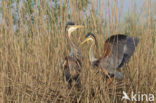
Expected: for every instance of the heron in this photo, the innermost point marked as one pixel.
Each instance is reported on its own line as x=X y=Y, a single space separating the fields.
x=117 y=51
x=72 y=62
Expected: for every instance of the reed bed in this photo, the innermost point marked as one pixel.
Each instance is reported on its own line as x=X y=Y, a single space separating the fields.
x=33 y=46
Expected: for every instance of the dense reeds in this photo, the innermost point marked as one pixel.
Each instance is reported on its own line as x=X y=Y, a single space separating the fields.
x=33 y=46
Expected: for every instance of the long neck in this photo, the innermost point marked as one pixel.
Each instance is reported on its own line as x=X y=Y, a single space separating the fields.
x=74 y=49
x=91 y=53
x=72 y=45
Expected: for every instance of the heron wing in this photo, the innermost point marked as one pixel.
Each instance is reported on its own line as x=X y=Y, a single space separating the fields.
x=118 y=50
x=113 y=51
x=72 y=69
x=129 y=48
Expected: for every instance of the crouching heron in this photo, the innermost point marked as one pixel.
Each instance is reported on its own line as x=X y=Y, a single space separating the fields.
x=72 y=62
x=117 y=51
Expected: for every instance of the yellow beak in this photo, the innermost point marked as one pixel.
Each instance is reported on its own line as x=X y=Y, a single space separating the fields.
x=85 y=41
x=78 y=26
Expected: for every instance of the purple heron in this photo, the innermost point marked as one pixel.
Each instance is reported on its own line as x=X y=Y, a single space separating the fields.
x=72 y=62
x=117 y=51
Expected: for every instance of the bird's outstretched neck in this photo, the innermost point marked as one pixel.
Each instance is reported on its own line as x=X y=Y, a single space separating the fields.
x=72 y=45
x=74 y=50
x=92 y=58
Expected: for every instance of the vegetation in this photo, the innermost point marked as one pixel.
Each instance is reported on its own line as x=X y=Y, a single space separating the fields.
x=33 y=46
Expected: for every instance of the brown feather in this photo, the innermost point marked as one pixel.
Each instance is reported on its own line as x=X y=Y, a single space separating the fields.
x=71 y=70
x=107 y=51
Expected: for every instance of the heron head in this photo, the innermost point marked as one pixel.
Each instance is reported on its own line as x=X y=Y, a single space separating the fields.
x=90 y=37
x=70 y=27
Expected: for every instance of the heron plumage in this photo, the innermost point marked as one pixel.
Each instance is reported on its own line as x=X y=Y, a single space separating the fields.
x=117 y=51
x=72 y=62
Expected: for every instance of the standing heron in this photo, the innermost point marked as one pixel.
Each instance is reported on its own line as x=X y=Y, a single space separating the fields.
x=72 y=63
x=117 y=51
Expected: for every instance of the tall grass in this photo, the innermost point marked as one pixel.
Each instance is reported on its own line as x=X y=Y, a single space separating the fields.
x=33 y=45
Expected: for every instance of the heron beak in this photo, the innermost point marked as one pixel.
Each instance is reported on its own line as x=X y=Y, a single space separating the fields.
x=74 y=27
x=85 y=41
x=78 y=26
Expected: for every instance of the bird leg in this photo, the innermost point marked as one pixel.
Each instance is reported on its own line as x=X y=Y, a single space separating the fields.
x=110 y=79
